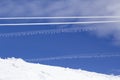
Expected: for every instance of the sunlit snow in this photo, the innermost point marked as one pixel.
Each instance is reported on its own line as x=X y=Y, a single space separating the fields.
x=18 y=69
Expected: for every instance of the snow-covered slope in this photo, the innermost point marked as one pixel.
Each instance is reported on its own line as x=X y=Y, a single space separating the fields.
x=17 y=69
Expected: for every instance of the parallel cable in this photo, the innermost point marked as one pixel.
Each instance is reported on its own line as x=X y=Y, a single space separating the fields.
x=60 y=23
x=62 y=17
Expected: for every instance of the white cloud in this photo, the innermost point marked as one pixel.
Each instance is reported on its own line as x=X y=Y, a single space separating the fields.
x=57 y=8
x=67 y=8
x=17 y=69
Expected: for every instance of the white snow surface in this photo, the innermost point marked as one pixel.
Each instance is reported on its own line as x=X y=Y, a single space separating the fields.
x=18 y=69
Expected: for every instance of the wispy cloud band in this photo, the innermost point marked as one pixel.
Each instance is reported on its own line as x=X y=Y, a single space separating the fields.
x=12 y=8
x=73 y=57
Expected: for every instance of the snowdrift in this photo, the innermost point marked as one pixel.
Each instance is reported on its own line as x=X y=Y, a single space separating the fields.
x=18 y=69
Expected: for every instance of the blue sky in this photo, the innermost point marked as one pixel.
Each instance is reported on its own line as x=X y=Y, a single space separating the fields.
x=104 y=40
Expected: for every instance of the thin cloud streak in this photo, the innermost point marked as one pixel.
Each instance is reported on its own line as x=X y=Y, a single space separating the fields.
x=52 y=31
x=72 y=57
